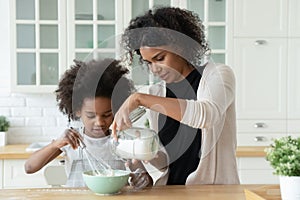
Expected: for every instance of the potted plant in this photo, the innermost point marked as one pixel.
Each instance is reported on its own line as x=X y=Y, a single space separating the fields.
x=4 y=125
x=284 y=157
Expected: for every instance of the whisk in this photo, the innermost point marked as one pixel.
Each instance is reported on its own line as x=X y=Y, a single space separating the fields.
x=136 y=114
x=98 y=165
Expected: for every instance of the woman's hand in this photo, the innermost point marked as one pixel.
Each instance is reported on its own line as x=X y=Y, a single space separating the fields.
x=160 y=161
x=140 y=179
x=121 y=118
x=70 y=136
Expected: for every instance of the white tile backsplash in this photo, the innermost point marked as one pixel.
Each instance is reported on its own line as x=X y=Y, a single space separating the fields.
x=33 y=117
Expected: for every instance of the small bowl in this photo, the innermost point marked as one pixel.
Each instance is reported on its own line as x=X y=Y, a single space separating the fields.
x=106 y=185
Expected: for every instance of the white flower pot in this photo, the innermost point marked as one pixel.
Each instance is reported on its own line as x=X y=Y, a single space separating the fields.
x=3 y=138
x=290 y=187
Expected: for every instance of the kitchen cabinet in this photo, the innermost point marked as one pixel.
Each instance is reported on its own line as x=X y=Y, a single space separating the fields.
x=93 y=27
x=261 y=76
x=259 y=132
x=260 y=67
x=266 y=59
x=294 y=18
x=37 y=44
x=48 y=34
x=256 y=170
x=260 y=18
x=293 y=106
x=14 y=175
x=217 y=18
x=1 y=174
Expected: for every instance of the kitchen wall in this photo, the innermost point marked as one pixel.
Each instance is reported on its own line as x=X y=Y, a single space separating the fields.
x=33 y=117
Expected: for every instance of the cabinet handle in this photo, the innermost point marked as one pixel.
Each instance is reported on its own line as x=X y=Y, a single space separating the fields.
x=260 y=139
x=260 y=42
x=259 y=125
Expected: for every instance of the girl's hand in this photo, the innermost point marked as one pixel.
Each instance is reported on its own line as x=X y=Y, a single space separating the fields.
x=70 y=136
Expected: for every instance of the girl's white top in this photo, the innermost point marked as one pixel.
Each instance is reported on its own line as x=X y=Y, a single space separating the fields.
x=76 y=163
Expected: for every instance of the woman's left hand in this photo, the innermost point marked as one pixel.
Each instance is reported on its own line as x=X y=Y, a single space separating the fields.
x=140 y=179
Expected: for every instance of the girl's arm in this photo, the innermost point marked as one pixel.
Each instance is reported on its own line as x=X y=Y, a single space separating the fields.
x=43 y=156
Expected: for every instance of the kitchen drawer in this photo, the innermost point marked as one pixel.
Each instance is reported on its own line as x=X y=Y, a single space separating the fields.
x=14 y=175
x=294 y=135
x=293 y=126
x=256 y=139
x=256 y=170
x=261 y=126
x=254 y=163
x=258 y=177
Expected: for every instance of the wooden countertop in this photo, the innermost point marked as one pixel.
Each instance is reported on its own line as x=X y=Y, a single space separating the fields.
x=199 y=192
x=14 y=151
x=251 y=151
x=18 y=151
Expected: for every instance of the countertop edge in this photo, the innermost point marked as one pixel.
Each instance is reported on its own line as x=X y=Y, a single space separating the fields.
x=18 y=151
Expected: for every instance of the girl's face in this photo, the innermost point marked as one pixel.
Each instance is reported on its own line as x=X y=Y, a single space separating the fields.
x=169 y=66
x=96 y=115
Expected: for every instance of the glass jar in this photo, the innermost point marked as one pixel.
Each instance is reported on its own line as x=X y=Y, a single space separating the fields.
x=136 y=143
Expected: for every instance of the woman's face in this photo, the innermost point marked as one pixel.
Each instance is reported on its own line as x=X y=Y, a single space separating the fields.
x=96 y=115
x=169 y=66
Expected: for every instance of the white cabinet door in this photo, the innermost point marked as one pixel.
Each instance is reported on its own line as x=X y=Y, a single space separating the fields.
x=14 y=175
x=1 y=174
x=38 y=44
x=260 y=68
x=256 y=170
x=293 y=79
x=261 y=18
x=94 y=28
x=294 y=18
x=293 y=106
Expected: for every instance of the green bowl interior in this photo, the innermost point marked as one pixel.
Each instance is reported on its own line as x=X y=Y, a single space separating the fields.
x=106 y=184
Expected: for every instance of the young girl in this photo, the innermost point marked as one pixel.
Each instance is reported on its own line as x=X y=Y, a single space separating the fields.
x=89 y=93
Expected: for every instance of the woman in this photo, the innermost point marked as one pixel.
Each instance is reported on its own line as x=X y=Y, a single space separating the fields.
x=193 y=107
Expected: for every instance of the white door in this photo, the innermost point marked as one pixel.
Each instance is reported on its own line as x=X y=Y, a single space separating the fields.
x=260 y=67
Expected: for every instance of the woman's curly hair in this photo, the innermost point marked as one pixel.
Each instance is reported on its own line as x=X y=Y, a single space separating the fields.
x=167 y=26
x=96 y=78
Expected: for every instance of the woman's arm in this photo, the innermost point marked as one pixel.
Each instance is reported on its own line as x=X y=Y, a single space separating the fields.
x=215 y=95
x=171 y=107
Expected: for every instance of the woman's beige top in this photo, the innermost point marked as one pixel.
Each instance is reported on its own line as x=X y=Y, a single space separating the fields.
x=214 y=113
